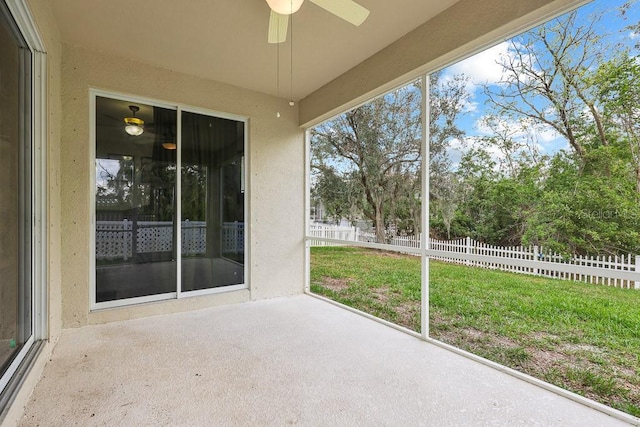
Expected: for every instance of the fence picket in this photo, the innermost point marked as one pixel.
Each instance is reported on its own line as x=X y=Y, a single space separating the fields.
x=470 y=246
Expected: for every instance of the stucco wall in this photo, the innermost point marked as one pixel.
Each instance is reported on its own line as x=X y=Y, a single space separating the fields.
x=51 y=38
x=276 y=168
x=467 y=26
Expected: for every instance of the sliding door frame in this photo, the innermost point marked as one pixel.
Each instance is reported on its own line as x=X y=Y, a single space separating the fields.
x=37 y=244
x=179 y=109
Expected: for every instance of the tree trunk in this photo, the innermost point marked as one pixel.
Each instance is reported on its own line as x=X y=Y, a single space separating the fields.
x=379 y=224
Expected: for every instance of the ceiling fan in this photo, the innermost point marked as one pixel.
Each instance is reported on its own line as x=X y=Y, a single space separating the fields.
x=348 y=10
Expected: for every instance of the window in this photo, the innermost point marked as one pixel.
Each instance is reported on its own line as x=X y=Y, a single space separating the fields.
x=169 y=202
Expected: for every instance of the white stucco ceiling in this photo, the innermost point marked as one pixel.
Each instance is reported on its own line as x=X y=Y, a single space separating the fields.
x=226 y=40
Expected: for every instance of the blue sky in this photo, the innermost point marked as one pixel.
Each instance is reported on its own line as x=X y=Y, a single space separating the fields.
x=483 y=68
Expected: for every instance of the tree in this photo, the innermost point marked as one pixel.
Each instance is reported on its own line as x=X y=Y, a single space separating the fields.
x=447 y=100
x=564 y=76
x=375 y=149
x=446 y=200
x=374 y=145
x=514 y=143
x=115 y=180
x=618 y=83
x=338 y=194
x=495 y=205
x=194 y=192
x=545 y=79
x=587 y=211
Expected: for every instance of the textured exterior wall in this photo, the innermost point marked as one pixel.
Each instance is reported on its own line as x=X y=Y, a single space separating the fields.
x=276 y=180
x=52 y=40
x=467 y=26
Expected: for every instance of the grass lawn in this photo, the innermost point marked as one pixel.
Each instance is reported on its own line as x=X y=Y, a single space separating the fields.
x=585 y=338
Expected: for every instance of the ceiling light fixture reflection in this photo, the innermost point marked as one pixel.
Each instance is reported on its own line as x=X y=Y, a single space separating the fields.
x=133 y=125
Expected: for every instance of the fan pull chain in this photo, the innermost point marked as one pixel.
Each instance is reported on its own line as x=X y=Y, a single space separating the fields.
x=291 y=103
x=278 y=73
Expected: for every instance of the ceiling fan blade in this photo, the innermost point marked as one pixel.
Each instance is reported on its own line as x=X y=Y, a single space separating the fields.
x=348 y=10
x=278 y=25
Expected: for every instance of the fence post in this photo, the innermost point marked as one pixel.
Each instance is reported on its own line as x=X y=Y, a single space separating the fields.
x=536 y=251
x=468 y=248
x=636 y=285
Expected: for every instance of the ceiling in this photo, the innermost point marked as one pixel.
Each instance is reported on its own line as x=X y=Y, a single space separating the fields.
x=226 y=40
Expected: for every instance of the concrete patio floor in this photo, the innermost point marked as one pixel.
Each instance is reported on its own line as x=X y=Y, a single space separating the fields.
x=295 y=360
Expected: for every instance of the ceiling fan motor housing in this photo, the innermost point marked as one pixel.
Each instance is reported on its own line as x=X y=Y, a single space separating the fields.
x=285 y=7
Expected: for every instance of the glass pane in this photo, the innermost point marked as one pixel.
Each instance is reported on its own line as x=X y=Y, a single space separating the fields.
x=15 y=193
x=135 y=201
x=212 y=202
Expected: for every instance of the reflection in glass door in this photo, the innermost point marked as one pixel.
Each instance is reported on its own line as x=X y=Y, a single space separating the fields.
x=135 y=200
x=232 y=207
x=212 y=202
x=137 y=197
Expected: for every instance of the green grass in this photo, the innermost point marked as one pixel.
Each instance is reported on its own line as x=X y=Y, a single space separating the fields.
x=585 y=338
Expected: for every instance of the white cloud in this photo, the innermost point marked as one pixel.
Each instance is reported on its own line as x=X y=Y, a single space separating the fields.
x=519 y=130
x=456 y=144
x=483 y=67
x=548 y=135
x=530 y=137
x=469 y=106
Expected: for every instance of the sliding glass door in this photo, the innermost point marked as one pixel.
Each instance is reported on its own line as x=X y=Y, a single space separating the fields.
x=16 y=326
x=212 y=202
x=139 y=196
x=135 y=201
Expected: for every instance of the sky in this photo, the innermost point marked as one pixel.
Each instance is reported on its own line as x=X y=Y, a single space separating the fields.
x=483 y=68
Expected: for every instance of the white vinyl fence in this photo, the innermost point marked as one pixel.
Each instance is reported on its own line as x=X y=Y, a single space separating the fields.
x=573 y=268
x=354 y=234
x=628 y=263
